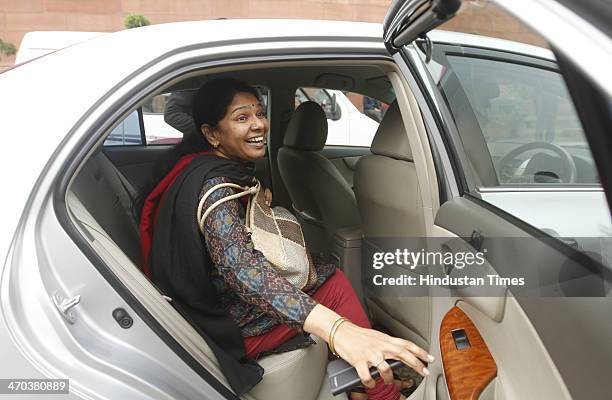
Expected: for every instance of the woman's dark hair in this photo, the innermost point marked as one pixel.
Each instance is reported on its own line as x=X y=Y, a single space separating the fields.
x=210 y=105
x=214 y=97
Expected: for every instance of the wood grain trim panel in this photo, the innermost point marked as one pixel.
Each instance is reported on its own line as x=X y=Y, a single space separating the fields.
x=467 y=371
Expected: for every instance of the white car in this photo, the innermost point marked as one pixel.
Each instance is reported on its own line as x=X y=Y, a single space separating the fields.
x=516 y=166
x=347 y=126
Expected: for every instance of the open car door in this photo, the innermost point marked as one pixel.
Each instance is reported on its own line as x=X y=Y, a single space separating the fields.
x=510 y=173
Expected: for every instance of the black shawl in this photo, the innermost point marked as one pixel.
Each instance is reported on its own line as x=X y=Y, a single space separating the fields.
x=181 y=266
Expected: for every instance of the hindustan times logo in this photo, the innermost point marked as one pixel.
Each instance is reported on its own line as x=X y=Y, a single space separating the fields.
x=413 y=259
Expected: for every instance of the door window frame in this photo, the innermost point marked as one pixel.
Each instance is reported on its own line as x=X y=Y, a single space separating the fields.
x=95 y=125
x=520 y=59
x=465 y=177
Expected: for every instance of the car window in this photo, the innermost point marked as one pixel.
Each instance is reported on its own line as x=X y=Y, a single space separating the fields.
x=352 y=118
x=528 y=121
x=127 y=133
x=166 y=118
x=517 y=136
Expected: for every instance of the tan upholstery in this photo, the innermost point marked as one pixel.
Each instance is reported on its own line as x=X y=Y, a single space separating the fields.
x=109 y=197
x=297 y=374
x=386 y=185
x=321 y=197
x=389 y=200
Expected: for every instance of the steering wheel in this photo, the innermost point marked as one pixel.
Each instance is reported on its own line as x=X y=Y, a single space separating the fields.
x=568 y=166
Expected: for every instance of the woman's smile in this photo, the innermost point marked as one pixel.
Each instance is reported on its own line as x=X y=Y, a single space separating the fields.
x=256 y=141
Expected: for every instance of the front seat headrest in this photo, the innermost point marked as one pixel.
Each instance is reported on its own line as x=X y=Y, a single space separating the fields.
x=307 y=129
x=391 y=139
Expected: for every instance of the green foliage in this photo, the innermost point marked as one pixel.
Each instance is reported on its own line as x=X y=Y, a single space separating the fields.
x=135 y=21
x=6 y=48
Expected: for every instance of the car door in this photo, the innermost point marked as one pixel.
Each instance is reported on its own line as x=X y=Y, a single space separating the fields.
x=511 y=341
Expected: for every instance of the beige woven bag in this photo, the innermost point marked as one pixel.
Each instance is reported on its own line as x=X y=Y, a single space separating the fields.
x=274 y=231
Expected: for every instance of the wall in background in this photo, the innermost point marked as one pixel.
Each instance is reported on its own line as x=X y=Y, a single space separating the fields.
x=20 y=16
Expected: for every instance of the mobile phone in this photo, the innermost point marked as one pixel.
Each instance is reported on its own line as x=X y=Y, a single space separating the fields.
x=343 y=376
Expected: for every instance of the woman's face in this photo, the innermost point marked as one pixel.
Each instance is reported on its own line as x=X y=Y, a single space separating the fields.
x=241 y=134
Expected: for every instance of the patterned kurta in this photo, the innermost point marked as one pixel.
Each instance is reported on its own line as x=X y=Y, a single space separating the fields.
x=255 y=295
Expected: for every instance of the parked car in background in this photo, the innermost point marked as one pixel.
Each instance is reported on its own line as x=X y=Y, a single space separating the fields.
x=38 y=43
x=346 y=125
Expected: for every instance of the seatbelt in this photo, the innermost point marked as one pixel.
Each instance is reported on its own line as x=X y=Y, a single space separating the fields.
x=128 y=195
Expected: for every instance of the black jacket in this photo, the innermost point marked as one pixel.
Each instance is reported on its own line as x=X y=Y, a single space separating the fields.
x=181 y=266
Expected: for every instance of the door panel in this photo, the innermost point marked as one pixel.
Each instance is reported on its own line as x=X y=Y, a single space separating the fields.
x=530 y=336
x=525 y=369
x=463 y=349
x=552 y=344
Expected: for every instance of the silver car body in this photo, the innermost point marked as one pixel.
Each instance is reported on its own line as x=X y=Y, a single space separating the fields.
x=54 y=103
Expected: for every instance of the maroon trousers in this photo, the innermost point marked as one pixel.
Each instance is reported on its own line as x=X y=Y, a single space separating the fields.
x=336 y=294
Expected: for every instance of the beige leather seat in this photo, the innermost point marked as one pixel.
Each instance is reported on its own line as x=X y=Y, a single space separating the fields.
x=298 y=374
x=322 y=199
x=390 y=205
x=386 y=185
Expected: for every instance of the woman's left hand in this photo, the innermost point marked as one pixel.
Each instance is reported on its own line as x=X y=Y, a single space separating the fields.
x=268 y=196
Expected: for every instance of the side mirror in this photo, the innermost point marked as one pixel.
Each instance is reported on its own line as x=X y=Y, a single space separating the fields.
x=334 y=112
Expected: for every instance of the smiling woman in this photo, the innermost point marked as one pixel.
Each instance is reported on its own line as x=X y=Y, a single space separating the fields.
x=243 y=303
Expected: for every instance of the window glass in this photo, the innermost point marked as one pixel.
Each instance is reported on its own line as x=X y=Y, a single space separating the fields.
x=519 y=140
x=166 y=118
x=126 y=133
x=528 y=121
x=352 y=119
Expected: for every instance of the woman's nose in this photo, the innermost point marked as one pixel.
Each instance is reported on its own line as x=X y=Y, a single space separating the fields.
x=258 y=124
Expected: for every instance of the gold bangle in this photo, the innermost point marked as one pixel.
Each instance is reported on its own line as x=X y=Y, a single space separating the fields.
x=332 y=334
x=329 y=337
x=331 y=330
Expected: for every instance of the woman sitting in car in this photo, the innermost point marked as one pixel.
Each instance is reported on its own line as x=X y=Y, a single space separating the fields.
x=225 y=287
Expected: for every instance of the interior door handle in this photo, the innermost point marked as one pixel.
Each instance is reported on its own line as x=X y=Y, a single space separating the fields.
x=476 y=240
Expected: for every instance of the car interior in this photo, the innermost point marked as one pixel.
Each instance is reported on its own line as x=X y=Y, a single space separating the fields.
x=340 y=194
x=330 y=201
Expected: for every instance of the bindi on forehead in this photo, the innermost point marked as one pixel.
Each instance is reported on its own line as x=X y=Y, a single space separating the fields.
x=246 y=106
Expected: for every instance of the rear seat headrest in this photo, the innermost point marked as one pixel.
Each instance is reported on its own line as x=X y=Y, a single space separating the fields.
x=307 y=129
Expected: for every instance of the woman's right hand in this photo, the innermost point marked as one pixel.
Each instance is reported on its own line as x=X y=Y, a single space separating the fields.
x=364 y=348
